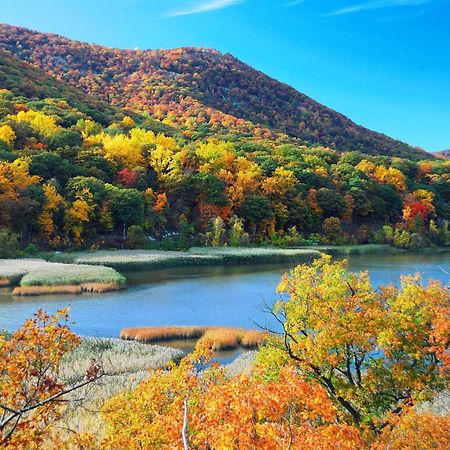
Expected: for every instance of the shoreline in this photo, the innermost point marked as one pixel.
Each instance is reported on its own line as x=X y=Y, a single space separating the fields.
x=101 y=271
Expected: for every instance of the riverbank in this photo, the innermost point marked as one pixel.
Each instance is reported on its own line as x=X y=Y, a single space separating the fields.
x=39 y=277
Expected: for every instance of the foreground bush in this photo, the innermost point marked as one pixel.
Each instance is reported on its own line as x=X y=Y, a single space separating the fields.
x=238 y=413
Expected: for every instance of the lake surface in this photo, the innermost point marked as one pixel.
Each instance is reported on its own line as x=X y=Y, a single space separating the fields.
x=231 y=295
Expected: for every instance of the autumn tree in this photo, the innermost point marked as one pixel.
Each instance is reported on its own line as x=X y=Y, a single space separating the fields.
x=31 y=385
x=180 y=408
x=53 y=203
x=375 y=352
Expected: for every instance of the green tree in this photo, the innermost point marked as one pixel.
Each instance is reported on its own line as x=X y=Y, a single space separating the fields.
x=9 y=243
x=127 y=206
x=65 y=138
x=331 y=202
x=255 y=208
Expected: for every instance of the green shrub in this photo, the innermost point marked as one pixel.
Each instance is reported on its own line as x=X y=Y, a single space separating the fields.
x=31 y=250
x=9 y=243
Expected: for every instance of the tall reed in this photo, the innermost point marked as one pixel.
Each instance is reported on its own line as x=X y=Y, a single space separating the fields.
x=218 y=338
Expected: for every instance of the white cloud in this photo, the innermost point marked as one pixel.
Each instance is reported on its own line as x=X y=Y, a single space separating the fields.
x=377 y=4
x=203 y=7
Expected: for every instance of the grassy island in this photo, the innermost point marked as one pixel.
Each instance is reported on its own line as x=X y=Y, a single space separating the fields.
x=38 y=277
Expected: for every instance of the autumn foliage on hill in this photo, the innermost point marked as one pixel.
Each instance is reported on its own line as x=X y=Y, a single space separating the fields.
x=201 y=90
x=67 y=180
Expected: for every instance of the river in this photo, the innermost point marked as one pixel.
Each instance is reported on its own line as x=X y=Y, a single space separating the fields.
x=234 y=296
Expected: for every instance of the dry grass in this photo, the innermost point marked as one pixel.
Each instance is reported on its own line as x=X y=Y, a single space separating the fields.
x=253 y=339
x=218 y=338
x=222 y=338
x=47 y=290
x=66 y=289
x=160 y=334
x=125 y=364
x=101 y=287
x=6 y=281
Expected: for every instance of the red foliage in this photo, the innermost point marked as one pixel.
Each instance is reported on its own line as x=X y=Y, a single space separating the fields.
x=126 y=177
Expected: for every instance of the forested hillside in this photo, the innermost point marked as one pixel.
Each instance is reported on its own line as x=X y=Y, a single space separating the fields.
x=68 y=181
x=201 y=90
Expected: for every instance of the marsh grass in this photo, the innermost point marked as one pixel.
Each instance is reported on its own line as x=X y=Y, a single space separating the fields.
x=125 y=365
x=37 y=277
x=218 y=338
x=256 y=255
x=71 y=274
x=129 y=260
x=242 y=364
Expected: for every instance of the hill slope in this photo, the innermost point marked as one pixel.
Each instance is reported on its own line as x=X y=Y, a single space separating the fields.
x=198 y=89
x=25 y=80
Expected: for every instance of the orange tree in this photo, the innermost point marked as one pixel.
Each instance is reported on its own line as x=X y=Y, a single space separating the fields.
x=182 y=408
x=375 y=352
x=31 y=388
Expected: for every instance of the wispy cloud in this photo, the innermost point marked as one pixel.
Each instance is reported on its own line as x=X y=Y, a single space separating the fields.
x=295 y=2
x=203 y=7
x=377 y=4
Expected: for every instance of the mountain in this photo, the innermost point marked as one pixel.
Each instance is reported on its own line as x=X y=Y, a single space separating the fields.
x=200 y=90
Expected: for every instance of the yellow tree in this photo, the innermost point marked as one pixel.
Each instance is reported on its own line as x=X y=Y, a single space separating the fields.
x=53 y=200
x=245 y=180
x=165 y=162
x=78 y=215
x=7 y=134
x=280 y=183
x=391 y=176
x=14 y=178
x=123 y=150
x=45 y=125
x=373 y=351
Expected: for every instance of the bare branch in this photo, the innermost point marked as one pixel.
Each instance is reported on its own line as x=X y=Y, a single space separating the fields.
x=185 y=422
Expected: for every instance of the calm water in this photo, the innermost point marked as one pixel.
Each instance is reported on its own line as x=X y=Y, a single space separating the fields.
x=235 y=296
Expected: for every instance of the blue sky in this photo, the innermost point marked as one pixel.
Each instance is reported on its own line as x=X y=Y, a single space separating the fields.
x=383 y=63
